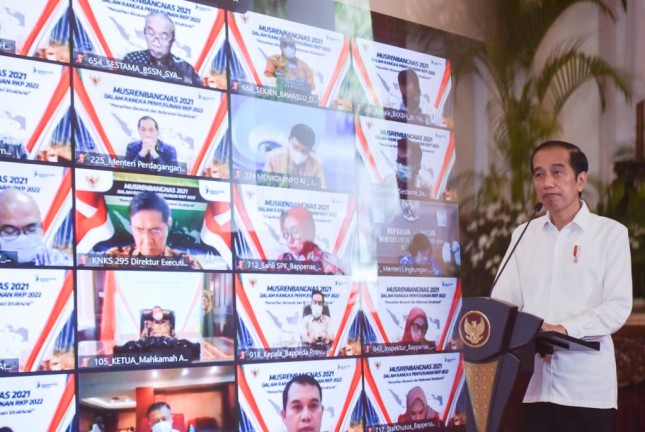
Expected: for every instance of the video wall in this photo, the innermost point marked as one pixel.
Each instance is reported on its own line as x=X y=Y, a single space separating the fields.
x=217 y=220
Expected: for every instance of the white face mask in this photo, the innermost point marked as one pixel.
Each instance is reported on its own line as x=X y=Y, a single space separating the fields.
x=297 y=157
x=162 y=426
x=403 y=172
x=157 y=316
x=289 y=52
x=316 y=310
x=24 y=248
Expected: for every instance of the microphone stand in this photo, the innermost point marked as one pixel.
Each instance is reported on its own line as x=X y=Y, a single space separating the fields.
x=536 y=209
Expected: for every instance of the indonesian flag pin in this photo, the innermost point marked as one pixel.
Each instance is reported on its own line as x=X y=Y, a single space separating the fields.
x=576 y=253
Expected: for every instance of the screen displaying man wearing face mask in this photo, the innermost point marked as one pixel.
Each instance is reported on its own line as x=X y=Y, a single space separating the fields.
x=413 y=183
x=289 y=72
x=298 y=157
x=316 y=326
x=160 y=417
x=21 y=233
x=409 y=173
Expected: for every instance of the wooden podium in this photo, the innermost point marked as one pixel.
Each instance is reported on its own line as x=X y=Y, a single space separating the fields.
x=500 y=344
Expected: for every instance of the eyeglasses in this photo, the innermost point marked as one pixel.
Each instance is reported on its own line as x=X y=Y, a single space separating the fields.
x=150 y=34
x=318 y=302
x=288 y=44
x=11 y=232
x=416 y=327
x=294 y=233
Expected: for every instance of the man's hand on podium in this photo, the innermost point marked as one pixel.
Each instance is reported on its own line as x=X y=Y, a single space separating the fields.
x=554 y=327
x=544 y=351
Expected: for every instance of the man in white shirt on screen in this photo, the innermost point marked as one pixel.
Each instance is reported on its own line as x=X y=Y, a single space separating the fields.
x=573 y=269
x=317 y=326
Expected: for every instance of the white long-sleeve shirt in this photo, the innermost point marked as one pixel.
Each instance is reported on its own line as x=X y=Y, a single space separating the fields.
x=579 y=277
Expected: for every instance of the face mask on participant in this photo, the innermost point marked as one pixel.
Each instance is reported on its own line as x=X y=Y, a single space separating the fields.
x=403 y=172
x=316 y=310
x=297 y=157
x=157 y=316
x=162 y=426
x=23 y=248
x=289 y=52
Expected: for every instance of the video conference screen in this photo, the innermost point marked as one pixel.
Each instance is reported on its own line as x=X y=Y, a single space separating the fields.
x=286 y=61
x=212 y=215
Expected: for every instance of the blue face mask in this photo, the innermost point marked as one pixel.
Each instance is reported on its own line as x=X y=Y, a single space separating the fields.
x=403 y=172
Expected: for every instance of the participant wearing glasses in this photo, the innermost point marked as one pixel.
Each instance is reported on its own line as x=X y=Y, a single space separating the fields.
x=316 y=326
x=159 y=33
x=150 y=221
x=289 y=71
x=21 y=233
x=416 y=327
x=299 y=231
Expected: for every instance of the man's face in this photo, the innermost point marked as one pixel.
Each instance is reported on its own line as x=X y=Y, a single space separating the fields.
x=288 y=47
x=159 y=415
x=406 y=168
x=21 y=215
x=159 y=36
x=292 y=233
x=317 y=300
x=21 y=231
x=148 y=131
x=317 y=303
x=555 y=181
x=157 y=314
x=417 y=411
x=298 y=151
x=418 y=329
x=304 y=409
x=411 y=96
x=150 y=232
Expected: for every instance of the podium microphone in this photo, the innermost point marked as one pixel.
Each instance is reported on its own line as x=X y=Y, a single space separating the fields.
x=536 y=210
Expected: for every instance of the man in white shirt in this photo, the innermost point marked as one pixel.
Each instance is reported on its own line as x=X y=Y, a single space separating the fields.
x=317 y=326
x=573 y=269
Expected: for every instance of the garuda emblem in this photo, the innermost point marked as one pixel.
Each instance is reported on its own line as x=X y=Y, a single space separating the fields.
x=474 y=329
